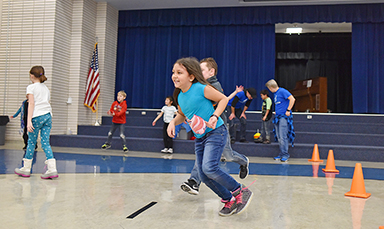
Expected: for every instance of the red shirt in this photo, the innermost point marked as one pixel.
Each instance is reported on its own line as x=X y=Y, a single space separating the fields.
x=119 y=109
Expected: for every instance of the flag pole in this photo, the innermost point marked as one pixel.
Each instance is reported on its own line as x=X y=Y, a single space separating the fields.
x=97 y=116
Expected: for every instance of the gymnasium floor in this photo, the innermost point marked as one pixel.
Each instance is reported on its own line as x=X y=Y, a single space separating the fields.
x=107 y=189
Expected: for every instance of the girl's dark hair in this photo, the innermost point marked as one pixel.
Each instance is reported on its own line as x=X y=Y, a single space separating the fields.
x=38 y=72
x=192 y=66
x=170 y=98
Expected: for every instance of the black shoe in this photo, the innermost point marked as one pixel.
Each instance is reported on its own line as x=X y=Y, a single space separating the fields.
x=106 y=146
x=243 y=140
x=244 y=170
x=190 y=186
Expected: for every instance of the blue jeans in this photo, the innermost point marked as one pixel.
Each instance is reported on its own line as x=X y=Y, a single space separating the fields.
x=208 y=150
x=229 y=154
x=42 y=123
x=281 y=129
x=243 y=124
x=265 y=129
x=112 y=130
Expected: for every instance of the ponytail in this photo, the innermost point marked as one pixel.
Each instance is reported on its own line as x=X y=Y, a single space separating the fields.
x=38 y=72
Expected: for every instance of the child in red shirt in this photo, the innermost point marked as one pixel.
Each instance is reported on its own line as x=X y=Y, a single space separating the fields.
x=117 y=111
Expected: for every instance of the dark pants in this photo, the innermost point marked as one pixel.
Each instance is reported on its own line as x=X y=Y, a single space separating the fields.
x=112 y=130
x=168 y=141
x=243 y=124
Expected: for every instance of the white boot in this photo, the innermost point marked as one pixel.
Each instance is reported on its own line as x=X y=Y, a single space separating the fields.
x=51 y=172
x=25 y=171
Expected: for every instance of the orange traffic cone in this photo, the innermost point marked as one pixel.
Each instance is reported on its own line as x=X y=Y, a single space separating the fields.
x=315 y=155
x=381 y=227
x=330 y=167
x=358 y=187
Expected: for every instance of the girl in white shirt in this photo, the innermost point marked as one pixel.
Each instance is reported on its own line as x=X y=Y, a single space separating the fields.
x=39 y=120
x=169 y=112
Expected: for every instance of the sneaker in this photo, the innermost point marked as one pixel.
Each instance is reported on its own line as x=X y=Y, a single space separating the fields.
x=125 y=148
x=165 y=150
x=277 y=158
x=233 y=141
x=190 y=186
x=229 y=208
x=243 y=197
x=106 y=146
x=266 y=141
x=170 y=150
x=244 y=170
x=284 y=159
x=259 y=140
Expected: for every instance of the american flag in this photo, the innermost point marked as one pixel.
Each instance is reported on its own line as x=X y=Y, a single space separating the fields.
x=93 y=84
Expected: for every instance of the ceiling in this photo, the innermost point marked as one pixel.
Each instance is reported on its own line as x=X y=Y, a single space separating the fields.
x=169 y=4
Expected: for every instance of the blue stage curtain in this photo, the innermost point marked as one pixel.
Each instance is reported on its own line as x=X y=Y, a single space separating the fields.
x=245 y=55
x=368 y=67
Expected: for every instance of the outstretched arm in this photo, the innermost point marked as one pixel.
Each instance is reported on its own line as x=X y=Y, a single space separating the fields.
x=157 y=118
x=238 y=89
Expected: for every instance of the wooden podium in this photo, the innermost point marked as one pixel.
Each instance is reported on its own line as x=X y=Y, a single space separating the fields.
x=311 y=95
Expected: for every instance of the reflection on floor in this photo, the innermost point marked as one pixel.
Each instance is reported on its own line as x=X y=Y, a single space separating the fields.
x=99 y=189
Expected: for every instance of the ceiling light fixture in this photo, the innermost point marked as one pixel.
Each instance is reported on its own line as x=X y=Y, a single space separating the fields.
x=297 y=30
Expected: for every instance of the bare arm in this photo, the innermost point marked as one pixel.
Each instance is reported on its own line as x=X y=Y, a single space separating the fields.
x=238 y=89
x=291 y=103
x=157 y=118
x=180 y=118
x=31 y=108
x=266 y=115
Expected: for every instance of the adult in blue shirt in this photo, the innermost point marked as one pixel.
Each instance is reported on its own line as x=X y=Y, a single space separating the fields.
x=283 y=121
x=237 y=107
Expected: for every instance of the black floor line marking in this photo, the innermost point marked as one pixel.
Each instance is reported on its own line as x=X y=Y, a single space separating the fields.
x=133 y=215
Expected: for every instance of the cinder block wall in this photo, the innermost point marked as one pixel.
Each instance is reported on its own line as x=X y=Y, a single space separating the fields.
x=59 y=35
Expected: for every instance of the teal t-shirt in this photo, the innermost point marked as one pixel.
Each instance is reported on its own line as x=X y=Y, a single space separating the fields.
x=193 y=102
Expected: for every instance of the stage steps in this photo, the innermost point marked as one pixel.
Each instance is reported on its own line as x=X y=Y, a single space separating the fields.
x=351 y=137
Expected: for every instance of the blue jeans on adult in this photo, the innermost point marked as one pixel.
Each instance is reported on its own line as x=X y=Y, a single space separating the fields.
x=281 y=129
x=243 y=124
x=208 y=150
x=229 y=154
